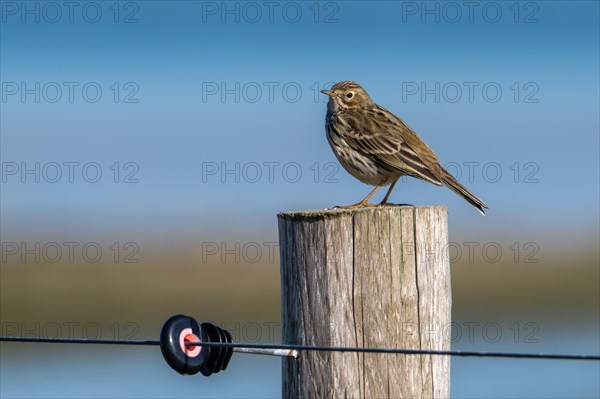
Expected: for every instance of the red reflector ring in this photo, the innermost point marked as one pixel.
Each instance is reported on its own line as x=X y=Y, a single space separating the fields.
x=188 y=336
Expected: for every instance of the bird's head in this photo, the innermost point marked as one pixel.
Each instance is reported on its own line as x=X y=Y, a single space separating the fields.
x=345 y=95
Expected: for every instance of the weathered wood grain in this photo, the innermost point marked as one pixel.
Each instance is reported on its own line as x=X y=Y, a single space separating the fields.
x=366 y=278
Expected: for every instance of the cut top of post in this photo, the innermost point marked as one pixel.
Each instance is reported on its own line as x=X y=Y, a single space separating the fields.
x=330 y=213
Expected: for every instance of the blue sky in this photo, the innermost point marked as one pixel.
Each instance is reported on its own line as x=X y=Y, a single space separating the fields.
x=545 y=65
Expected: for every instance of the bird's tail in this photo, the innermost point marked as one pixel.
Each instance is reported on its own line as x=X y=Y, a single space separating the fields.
x=453 y=184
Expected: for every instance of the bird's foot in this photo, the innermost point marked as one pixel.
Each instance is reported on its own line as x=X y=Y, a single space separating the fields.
x=358 y=205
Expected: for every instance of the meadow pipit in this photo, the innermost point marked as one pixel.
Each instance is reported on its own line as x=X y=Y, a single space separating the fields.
x=377 y=147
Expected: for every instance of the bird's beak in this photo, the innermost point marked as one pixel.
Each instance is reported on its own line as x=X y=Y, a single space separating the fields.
x=328 y=92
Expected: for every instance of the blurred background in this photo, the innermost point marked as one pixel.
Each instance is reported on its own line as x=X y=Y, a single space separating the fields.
x=146 y=148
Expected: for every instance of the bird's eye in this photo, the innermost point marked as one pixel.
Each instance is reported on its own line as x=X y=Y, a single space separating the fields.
x=349 y=95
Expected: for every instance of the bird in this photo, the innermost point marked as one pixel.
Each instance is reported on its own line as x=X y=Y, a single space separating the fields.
x=377 y=147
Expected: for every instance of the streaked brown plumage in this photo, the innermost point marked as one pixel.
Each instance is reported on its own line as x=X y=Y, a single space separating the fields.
x=377 y=147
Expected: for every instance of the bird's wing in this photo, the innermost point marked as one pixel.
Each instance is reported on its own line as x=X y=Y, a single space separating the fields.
x=378 y=133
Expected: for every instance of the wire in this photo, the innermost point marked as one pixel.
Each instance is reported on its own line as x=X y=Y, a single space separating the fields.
x=311 y=348
x=400 y=351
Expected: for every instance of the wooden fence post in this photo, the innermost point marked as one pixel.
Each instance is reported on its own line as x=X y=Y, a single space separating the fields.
x=366 y=278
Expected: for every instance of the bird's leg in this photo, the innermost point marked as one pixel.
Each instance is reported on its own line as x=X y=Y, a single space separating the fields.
x=365 y=201
x=384 y=202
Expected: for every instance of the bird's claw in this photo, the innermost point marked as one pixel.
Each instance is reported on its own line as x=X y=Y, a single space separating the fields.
x=359 y=205
x=367 y=205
